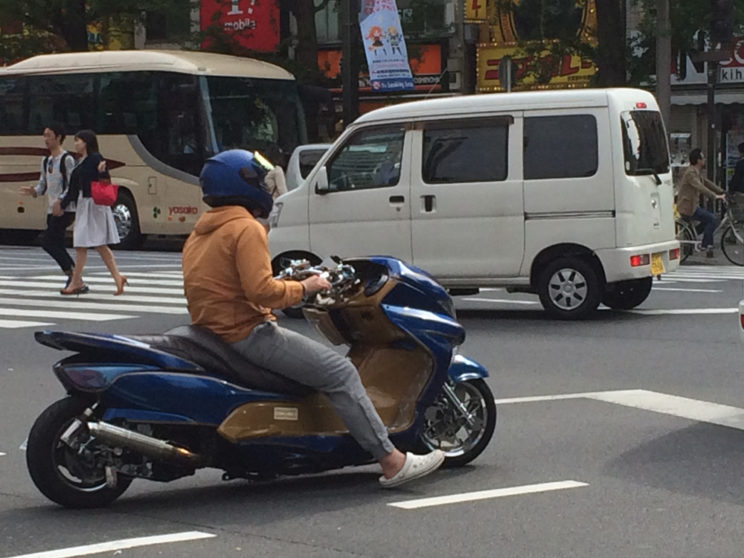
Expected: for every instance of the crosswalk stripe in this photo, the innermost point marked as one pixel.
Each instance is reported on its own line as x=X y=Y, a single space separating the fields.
x=54 y=295
x=69 y=315
x=147 y=274
x=81 y=305
x=92 y=279
x=128 y=288
x=15 y=324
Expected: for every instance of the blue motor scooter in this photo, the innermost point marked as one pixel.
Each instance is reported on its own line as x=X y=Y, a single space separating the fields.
x=159 y=407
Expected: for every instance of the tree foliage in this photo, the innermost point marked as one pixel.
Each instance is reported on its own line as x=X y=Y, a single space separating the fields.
x=64 y=22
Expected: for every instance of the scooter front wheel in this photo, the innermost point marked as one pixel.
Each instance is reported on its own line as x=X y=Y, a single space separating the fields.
x=72 y=478
x=460 y=422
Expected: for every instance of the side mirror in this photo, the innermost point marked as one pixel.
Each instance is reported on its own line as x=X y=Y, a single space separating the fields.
x=321 y=181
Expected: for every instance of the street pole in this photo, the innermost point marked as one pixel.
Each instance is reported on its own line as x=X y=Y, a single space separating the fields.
x=710 y=154
x=663 y=60
x=350 y=60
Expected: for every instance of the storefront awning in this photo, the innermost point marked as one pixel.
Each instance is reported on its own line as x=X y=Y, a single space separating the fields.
x=697 y=98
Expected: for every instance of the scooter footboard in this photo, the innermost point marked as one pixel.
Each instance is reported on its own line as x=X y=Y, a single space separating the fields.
x=463 y=369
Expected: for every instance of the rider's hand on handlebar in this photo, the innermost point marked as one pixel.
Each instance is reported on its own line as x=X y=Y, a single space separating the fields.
x=315 y=283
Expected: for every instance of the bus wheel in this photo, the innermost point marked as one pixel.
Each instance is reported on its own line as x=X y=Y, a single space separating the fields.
x=127 y=222
x=569 y=288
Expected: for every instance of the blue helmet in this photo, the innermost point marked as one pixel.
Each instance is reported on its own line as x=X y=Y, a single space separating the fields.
x=236 y=177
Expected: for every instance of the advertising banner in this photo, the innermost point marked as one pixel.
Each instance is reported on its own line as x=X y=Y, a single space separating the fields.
x=253 y=24
x=385 y=47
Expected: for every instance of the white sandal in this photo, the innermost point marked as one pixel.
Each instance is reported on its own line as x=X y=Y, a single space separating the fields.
x=415 y=467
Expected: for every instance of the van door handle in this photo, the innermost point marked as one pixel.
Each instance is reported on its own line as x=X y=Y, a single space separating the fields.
x=397 y=199
x=429 y=204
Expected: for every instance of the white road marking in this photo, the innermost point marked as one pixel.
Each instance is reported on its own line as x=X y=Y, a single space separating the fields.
x=486 y=494
x=81 y=305
x=11 y=312
x=147 y=274
x=696 y=280
x=682 y=407
x=15 y=324
x=68 y=301
x=540 y=398
x=687 y=290
x=128 y=288
x=500 y=300
x=682 y=311
x=1 y=454
x=107 y=280
x=122 y=544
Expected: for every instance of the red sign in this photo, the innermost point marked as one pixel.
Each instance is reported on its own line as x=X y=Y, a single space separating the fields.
x=253 y=24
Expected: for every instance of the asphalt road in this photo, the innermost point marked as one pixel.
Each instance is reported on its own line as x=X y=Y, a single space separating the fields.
x=617 y=436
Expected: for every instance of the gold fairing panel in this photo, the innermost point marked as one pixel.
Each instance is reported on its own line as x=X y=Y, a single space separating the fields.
x=394 y=378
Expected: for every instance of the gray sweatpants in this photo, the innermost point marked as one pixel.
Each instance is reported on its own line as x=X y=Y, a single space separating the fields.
x=307 y=362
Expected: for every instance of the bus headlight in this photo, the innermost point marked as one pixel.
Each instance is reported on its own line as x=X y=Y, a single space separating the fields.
x=274 y=215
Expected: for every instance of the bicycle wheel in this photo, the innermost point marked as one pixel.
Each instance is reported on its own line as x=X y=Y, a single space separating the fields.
x=687 y=237
x=732 y=245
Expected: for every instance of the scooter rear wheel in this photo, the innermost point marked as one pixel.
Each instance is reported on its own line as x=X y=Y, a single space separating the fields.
x=460 y=422
x=65 y=476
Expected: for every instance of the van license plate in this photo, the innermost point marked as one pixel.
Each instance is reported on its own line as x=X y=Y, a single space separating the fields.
x=657 y=264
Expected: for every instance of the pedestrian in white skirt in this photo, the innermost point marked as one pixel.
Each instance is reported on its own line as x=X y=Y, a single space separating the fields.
x=94 y=224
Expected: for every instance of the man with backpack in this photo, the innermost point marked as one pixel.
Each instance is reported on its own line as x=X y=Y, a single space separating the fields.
x=54 y=180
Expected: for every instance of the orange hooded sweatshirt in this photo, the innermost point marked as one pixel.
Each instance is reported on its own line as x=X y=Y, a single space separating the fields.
x=227 y=274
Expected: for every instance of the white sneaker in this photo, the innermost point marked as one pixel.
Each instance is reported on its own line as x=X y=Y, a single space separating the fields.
x=415 y=467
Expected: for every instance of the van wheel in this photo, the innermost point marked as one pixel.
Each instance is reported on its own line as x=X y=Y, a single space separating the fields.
x=127 y=221
x=625 y=295
x=282 y=261
x=569 y=288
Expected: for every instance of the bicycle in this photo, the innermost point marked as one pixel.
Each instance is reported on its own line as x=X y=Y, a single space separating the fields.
x=732 y=239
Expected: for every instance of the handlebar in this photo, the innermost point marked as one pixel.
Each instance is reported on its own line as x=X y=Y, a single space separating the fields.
x=342 y=278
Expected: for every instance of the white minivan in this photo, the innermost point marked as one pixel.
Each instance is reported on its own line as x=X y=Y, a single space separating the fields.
x=567 y=194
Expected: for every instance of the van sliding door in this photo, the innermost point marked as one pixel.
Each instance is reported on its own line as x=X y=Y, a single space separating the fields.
x=467 y=216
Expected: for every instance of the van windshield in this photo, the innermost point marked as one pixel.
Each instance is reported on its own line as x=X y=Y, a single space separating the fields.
x=644 y=143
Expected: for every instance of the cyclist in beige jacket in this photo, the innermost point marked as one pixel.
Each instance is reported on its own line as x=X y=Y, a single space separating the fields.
x=691 y=186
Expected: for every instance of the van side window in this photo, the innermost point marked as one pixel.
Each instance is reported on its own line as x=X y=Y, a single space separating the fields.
x=370 y=159
x=465 y=153
x=560 y=146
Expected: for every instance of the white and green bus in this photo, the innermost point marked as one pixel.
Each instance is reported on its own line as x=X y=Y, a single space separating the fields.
x=158 y=116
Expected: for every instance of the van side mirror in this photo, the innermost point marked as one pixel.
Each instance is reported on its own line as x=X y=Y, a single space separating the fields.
x=321 y=181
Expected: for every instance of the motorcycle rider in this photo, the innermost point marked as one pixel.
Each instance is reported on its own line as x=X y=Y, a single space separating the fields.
x=230 y=290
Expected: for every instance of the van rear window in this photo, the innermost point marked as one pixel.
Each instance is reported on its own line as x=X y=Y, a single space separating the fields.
x=560 y=146
x=644 y=143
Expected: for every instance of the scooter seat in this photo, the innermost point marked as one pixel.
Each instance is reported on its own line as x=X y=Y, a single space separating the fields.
x=211 y=353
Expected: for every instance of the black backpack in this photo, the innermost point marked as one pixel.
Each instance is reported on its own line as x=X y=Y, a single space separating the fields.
x=62 y=169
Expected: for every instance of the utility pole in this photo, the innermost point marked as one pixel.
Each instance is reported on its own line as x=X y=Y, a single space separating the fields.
x=350 y=59
x=663 y=60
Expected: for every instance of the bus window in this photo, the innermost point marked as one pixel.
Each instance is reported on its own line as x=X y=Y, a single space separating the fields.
x=69 y=99
x=12 y=118
x=127 y=103
x=255 y=114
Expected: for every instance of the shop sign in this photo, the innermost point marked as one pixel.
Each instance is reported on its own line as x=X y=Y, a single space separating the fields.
x=475 y=10
x=254 y=24
x=559 y=72
x=732 y=70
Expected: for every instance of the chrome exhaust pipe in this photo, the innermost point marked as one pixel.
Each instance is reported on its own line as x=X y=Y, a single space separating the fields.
x=146 y=445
